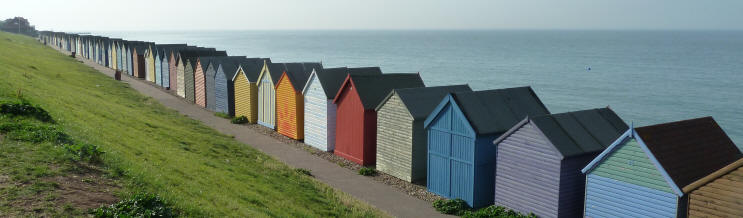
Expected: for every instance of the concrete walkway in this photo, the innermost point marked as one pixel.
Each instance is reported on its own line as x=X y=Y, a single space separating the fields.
x=384 y=197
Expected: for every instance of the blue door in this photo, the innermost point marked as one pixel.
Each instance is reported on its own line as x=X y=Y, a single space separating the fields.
x=450 y=156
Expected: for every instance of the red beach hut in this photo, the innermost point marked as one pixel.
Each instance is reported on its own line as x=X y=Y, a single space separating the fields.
x=356 y=122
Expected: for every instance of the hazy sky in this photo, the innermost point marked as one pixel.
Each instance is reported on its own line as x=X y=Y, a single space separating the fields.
x=82 y=15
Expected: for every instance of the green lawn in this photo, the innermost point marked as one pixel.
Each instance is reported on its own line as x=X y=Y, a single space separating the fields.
x=200 y=171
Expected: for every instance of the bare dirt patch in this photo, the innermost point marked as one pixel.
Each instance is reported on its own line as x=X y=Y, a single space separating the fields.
x=74 y=193
x=411 y=189
x=85 y=190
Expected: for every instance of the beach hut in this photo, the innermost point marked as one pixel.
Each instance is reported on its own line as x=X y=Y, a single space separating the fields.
x=245 y=81
x=641 y=174
x=150 y=55
x=289 y=100
x=270 y=74
x=401 y=139
x=319 y=110
x=200 y=80
x=461 y=130
x=356 y=119
x=539 y=160
x=162 y=67
x=719 y=194
x=217 y=64
x=138 y=60
x=158 y=68
x=190 y=62
x=224 y=88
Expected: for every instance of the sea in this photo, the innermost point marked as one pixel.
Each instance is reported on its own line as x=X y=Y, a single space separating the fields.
x=647 y=77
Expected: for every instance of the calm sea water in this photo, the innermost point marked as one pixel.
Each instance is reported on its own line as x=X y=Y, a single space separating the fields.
x=647 y=77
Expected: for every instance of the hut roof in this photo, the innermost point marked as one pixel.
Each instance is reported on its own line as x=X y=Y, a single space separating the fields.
x=421 y=101
x=331 y=79
x=578 y=132
x=496 y=111
x=252 y=67
x=691 y=149
x=298 y=73
x=373 y=88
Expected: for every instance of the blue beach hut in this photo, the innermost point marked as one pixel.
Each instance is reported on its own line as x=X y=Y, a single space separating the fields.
x=461 y=129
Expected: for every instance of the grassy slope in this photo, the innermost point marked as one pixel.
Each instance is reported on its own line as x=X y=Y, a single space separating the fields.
x=203 y=172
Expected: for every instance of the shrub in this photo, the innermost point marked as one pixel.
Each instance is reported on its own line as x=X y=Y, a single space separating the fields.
x=222 y=115
x=495 y=211
x=304 y=171
x=454 y=207
x=366 y=171
x=25 y=109
x=239 y=120
x=85 y=152
x=139 y=205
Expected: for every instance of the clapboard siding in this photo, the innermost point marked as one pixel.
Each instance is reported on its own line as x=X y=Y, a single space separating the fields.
x=180 y=79
x=527 y=175
x=460 y=163
x=188 y=81
x=246 y=98
x=151 y=62
x=607 y=197
x=173 y=71
x=722 y=197
x=395 y=139
x=289 y=109
x=224 y=95
x=165 y=72
x=199 y=84
x=319 y=115
x=266 y=101
x=209 y=86
x=630 y=164
x=351 y=115
x=158 y=72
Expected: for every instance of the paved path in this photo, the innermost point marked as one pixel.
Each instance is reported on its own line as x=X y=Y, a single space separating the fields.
x=379 y=195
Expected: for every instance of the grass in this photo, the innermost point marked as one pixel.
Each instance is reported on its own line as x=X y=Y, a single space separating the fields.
x=202 y=172
x=27 y=166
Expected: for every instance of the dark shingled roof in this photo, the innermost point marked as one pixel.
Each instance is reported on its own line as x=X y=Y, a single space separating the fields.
x=581 y=132
x=373 y=88
x=421 y=101
x=691 y=149
x=229 y=64
x=331 y=79
x=276 y=69
x=496 y=111
x=252 y=67
x=298 y=73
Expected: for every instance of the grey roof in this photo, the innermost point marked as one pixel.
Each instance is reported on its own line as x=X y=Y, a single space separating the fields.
x=581 y=132
x=331 y=79
x=252 y=67
x=421 y=101
x=496 y=111
x=276 y=69
x=373 y=88
x=298 y=73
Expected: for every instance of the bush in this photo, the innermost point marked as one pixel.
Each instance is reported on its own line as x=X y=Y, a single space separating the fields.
x=454 y=207
x=365 y=171
x=139 y=205
x=495 y=211
x=25 y=109
x=239 y=120
x=304 y=171
x=222 y=115
x=85 y=152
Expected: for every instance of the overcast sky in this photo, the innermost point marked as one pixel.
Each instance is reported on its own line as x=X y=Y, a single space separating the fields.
x=89 y=15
